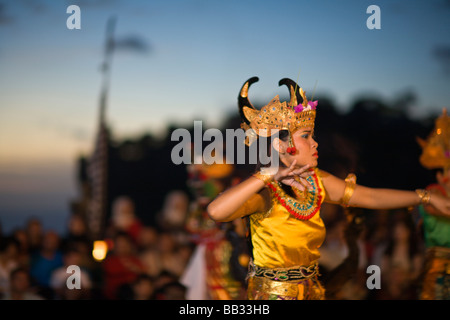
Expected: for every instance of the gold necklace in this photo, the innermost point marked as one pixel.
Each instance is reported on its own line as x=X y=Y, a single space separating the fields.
x=306 y=204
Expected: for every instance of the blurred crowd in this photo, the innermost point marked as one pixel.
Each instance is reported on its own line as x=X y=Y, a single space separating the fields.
x=143 y=262
x=147 y=262
x=389 y=239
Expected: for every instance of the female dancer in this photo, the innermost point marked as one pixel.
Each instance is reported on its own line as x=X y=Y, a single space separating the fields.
x=283 y=203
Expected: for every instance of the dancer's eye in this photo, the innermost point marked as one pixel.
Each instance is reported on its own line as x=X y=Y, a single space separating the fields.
x=306 y=134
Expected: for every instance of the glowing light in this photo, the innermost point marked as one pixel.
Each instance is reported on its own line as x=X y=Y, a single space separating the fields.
x=100 y=250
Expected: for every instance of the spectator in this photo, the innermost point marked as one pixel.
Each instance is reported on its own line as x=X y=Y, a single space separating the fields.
x=20 y=286
x=143 y=288
x=58 y=281
x=148 y=252
x=183 y=253
x=124 y=218
x=121 y=266
x=401 y=262
x=171 y=291
x=168 y=254
x=77 y=232
x=45 y=261
x=147 y=238
x=23 y=255
x=9 y=250
x=35 y=234
x=164 y=278
x=77 y=239
x=377 y=236
x=173 y=215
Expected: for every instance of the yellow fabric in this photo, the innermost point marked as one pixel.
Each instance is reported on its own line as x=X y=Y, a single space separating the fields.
x=280 y=240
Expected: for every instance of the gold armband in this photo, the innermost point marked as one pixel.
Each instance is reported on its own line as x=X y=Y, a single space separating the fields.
x=265 y=175
x=424 y=196
x=350 y=184
x=266 y=178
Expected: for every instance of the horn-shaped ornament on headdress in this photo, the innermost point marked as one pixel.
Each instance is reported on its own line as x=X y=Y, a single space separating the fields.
x=276 y=115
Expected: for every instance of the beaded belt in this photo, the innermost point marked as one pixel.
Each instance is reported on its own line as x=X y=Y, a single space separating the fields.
x=284 y=274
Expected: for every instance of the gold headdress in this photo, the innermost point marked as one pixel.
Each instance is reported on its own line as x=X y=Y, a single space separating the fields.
x=276 y=115
x=436 y=149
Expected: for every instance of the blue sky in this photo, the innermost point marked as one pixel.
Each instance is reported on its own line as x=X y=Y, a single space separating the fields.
x=198 y=55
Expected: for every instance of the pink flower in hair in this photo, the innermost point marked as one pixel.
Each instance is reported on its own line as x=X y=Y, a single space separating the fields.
x=313 y=104
x=298 y=108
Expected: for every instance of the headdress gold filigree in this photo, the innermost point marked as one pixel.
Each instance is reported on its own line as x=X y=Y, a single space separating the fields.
x=436 y=148
x=276 y=115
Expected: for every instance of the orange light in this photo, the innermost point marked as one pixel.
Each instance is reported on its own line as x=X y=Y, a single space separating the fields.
x=439 y=131
x=100 y=250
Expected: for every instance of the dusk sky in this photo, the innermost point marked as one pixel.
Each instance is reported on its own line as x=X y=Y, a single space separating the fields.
x=186 y=60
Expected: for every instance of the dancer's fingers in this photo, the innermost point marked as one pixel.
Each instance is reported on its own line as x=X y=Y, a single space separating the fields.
x=298 y=185
x=306 y=184
x=303 y=169
x=292 y=166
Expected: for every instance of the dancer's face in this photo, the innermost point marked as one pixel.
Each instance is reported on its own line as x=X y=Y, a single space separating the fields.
x=306 y=148
x=443 y=178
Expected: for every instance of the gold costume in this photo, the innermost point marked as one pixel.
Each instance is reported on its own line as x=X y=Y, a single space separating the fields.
x=286 y=238
x=435 y=277
x=286 y=247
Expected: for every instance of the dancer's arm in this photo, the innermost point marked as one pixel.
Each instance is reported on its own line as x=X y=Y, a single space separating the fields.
x=248 y=196
x=238 y=201
x=374 y=198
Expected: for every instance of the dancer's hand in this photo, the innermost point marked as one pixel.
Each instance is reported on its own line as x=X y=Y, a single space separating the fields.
x=287 y=176
x=441 y=203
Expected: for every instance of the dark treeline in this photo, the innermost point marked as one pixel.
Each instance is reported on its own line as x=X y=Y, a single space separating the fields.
x=375 y=140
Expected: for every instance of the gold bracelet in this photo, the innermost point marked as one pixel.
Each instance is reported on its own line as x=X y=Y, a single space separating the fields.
x=266 y=178
x=424 y=196
x=350 y=184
